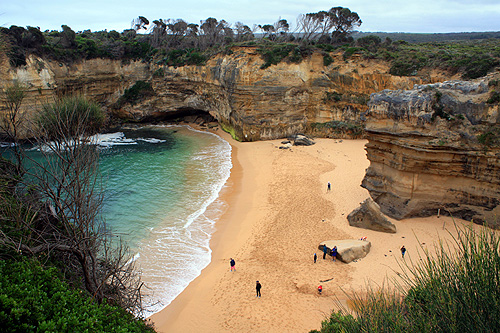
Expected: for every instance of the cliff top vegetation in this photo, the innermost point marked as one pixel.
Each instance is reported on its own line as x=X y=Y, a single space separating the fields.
x=175 y=42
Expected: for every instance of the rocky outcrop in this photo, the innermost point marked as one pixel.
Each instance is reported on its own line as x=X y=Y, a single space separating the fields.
x=429 y=149
x=369 y=216
x=251 y=103
x=102 y=80
x=348 y=250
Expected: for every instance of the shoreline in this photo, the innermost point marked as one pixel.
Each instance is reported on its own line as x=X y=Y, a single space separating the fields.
x=223 y=229
x=278 y=212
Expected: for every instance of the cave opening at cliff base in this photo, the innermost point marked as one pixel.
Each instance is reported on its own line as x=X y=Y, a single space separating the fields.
x=183 y=115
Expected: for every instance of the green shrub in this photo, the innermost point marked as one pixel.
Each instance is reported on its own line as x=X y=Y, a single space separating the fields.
x=494 y=97
x=160 y=72
x=494 y=83
x=349 y=51
x=35 y=299
x=490 y=138
x=332 y=96
x=139 y=90
x=186 y=57
x=479 y=67
x=327 y=60
x=273 y=54
x=69 y=114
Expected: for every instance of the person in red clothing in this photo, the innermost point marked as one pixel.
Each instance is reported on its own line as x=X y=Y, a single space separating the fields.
x=320 y=289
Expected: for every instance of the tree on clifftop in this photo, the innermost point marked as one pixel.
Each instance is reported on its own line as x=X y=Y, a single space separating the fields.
x=338 y=21
x=344 y=22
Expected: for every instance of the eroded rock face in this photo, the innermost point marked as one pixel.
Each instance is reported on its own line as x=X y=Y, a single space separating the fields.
x=250 y=102
x=426 y=154
x=369 y=216
x=348 y=250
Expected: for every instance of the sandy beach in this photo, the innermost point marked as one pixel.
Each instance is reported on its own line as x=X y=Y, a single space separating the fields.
x=279 y=211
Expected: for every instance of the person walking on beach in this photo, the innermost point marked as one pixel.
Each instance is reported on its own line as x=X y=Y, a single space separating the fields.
x=320 y=289
x=403 y=251
x=258 y=286
x=328 y=187
x=232 y=263
x=334 y=253
x=325 y=250
x=315 y=257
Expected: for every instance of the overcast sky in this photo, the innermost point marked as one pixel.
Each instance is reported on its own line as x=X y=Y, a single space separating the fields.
x=377 y=15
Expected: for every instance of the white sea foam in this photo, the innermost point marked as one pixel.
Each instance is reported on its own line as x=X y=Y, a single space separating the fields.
x=133 y=259
x=172 y=232
x=7 y=144
x=118 y=138
x=178 y=251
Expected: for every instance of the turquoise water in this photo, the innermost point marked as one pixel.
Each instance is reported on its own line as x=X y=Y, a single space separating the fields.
x=161 y=189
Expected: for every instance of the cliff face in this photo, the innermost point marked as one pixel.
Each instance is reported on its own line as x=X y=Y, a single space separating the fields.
x=283 y=99
x=101 y=80
x=428 y=150
x=253 y=103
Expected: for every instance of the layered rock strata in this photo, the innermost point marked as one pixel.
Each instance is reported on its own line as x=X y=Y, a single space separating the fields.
x=429 y=150
x=250 y=102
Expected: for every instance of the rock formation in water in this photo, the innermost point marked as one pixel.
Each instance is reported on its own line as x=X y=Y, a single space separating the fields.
x=435 y=147
x=250 y=102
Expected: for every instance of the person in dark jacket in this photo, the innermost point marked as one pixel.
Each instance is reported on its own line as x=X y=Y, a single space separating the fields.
x=232 y=263
x=258 y=286
x=325 y=250
x=334 y=253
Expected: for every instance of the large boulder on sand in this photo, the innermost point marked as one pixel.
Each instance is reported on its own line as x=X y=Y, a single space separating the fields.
x=369 y=216
x=347 y=249
x=301 y=140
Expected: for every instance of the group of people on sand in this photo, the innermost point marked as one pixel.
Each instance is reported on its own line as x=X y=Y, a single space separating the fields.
x=258 y=285
x=325 y=251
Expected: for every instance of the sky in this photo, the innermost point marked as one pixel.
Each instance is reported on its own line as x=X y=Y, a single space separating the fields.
x=418 y=16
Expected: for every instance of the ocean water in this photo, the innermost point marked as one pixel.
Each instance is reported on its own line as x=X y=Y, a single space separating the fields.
x=161 y=197
x=161 y=187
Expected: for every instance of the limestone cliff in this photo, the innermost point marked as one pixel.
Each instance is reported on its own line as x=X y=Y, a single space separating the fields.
x=101 y=80
x=427 y=151
x=284 y=99
x=252 y=103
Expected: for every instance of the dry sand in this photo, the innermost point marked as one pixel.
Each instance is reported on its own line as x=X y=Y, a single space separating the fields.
x=279 y=212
